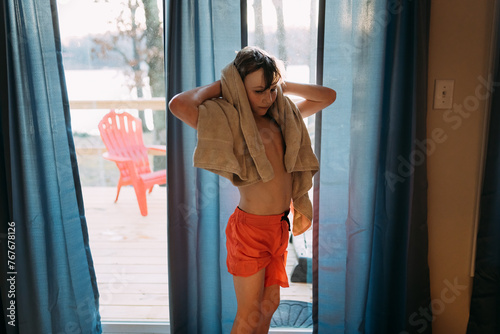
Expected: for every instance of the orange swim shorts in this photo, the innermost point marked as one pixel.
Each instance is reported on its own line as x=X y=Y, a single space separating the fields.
x=255 y=242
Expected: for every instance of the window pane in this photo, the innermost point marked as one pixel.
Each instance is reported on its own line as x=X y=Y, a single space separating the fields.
x=288 y=30
x=107 y=58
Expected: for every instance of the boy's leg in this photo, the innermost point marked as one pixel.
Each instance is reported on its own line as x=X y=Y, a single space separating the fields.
x=249 y=292
x=269 y=304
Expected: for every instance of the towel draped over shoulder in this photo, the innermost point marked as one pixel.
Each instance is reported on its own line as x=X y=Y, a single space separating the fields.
x=229 y=144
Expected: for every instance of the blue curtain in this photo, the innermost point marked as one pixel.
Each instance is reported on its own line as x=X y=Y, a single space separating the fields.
x=52 y=284
x=202 y=36
x=484 y=315
x=371 y=267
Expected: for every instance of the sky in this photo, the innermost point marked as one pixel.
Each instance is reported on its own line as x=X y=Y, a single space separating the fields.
x=82 y=17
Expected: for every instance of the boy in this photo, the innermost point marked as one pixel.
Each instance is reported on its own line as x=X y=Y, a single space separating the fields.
x=257 y=232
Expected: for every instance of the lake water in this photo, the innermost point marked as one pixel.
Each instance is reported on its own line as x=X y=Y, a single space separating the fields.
x=108 y=84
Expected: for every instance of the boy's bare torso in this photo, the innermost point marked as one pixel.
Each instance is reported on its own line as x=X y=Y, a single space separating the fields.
x=272 y=197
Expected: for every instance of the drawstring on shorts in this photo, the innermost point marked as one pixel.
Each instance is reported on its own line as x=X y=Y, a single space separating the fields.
x=285 y=218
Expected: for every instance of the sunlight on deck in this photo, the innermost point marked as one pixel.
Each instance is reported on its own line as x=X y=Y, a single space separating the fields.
x=129 y=252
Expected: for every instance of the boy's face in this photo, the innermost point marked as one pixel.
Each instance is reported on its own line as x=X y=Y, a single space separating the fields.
x=260 y=98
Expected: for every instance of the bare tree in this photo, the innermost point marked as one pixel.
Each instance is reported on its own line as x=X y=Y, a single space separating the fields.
x=140 y=45
x=259 y=26
x=127 y=42
x=155 y=61
x=278 y=4
x=313 y=33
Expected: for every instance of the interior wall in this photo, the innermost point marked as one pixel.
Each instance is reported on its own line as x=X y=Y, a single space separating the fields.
x=460 y=38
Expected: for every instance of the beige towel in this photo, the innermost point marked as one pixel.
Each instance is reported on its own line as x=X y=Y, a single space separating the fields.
x=229 y=144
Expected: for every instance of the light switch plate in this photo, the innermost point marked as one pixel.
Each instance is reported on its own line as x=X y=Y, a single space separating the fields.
x=443 y=94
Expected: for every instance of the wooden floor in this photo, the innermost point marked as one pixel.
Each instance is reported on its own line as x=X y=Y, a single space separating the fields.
x=130 y=255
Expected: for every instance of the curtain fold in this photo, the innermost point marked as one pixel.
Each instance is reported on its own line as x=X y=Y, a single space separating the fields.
x=202 y=36
x=372 y=232
x=55 y=284
x=399 y=287
x=484 y=317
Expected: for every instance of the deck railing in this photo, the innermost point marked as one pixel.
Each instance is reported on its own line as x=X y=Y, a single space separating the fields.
x=156 y=103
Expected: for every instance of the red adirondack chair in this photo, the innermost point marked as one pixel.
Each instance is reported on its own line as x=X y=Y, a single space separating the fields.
x=122 y=136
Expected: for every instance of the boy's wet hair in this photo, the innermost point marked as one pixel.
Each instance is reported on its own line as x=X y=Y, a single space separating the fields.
x=251 y=59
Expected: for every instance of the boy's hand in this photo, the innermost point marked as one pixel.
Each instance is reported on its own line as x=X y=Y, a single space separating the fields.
x=315 y=97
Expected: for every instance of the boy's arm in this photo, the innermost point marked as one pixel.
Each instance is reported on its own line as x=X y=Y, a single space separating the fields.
x=315 y=97
x=185 y=105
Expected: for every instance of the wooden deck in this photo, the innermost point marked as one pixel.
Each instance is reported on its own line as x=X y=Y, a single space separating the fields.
x=130 y=255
